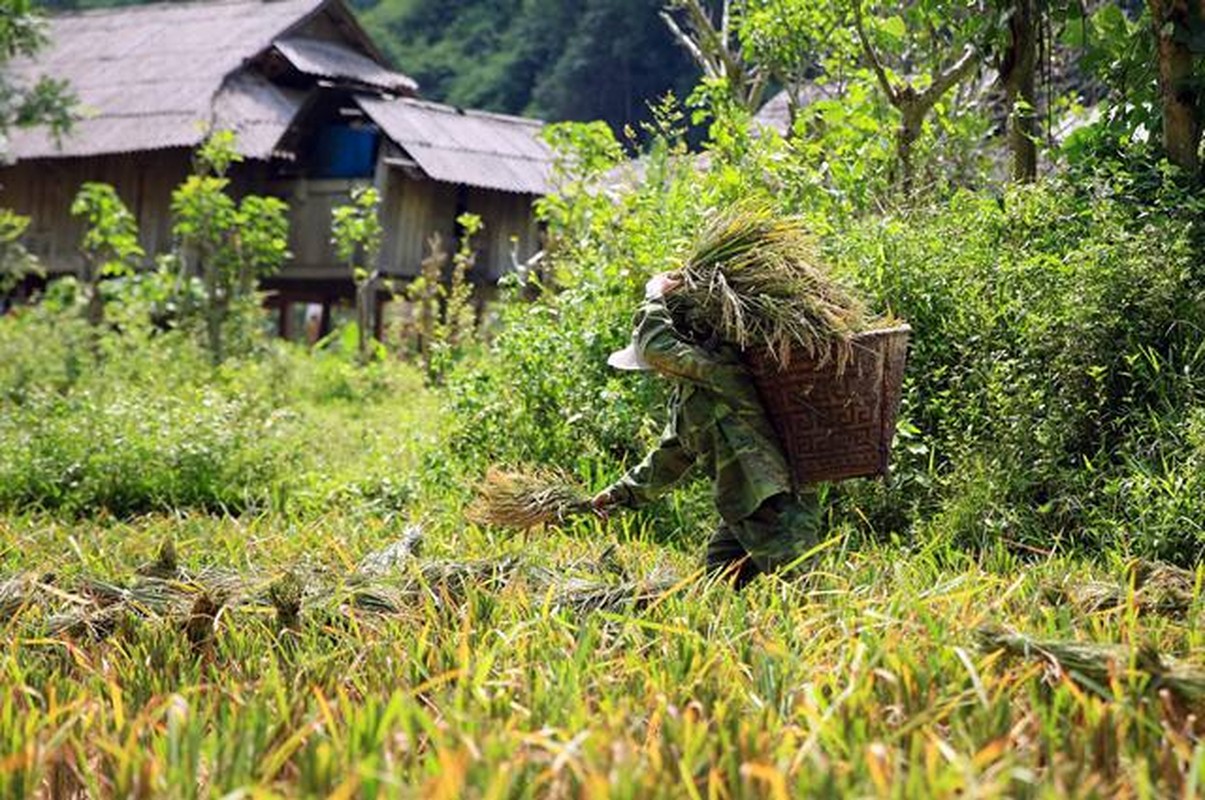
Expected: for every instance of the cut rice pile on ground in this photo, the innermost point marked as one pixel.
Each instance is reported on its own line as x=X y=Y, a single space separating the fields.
x=754 y=278
x=1148 y=587
x=1096 y=666
x=521 y=500
x=390 y=581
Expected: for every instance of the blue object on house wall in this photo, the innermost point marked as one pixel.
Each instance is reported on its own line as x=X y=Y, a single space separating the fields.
x=346 y=152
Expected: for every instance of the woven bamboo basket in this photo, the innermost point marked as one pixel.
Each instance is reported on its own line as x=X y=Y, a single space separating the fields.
x=836 y=424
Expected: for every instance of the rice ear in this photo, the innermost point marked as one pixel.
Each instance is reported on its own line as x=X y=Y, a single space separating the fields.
x=756 y=279
x=520 y=500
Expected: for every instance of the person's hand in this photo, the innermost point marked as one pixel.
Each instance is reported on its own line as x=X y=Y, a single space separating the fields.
x=602 y=503
x=662 y=284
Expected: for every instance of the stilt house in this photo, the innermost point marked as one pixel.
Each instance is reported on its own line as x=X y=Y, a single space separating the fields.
x=317 y=110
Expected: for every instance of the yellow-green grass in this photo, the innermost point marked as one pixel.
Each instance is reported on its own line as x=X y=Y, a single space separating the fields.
x=866 y=681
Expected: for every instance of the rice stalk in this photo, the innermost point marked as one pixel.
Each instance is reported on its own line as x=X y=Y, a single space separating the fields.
x=753 y=277
x=522 y=500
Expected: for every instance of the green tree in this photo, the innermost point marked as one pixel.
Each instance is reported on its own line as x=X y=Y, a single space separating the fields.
x=227 y=244
x=1179 y=30
x=616 y=59
x=15 y=261
x=598 y=59
x=45 y=101
x=925 y=32
x=356 y=233
x=714 y=43
x=797 y=43
x=109 y=246
x=1018 y=64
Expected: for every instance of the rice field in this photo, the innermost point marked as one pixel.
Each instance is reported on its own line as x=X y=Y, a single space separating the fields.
x=477 y=674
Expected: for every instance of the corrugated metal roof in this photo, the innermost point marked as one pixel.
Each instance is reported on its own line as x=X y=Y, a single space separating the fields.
x=474 y=148
x=329 y=60
x=258 y=111
x=154 y=76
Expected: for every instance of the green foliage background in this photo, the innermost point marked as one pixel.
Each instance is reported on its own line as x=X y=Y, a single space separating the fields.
x=598 y=59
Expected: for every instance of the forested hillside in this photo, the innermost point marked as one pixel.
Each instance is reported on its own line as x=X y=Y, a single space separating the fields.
x=598 y=59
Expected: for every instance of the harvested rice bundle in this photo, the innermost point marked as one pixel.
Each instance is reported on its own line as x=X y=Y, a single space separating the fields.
x=1094 y=665
x=15 y=594
x=592 y=595
x=754 y=278
x=522 y=500
x=1150 y=586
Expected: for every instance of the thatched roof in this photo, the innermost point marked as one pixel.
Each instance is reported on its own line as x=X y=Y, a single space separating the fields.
x=474 y=148
x=161 y=75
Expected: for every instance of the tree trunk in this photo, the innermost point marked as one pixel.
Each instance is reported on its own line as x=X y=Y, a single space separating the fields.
x=1019 y=72
x=95 y=312
x=96 y=305
x=365 y=294
x=911 y=124
x=215 y=312
x=1181 y=125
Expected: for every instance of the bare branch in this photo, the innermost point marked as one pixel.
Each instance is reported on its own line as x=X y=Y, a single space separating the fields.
x=892 y=93
x=757 y=81
x=695 y=51
x=950 y=76
x=711 y=49
x=711 y=39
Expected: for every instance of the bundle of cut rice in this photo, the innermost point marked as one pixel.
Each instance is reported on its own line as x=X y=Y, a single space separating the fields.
x=522 y=500
x=1094 y=665
x=1147 y=586
x=753 y=278
x=584 y=595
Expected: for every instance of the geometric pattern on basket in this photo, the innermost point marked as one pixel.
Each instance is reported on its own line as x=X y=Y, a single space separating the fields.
x=835 y=426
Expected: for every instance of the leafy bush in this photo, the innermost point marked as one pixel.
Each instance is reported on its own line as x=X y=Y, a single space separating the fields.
x=1055 y=329
x=140 y=429
x=541 y=391
x=137 y=419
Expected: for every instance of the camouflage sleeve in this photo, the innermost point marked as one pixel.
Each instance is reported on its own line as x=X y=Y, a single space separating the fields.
x=660 y=469
x=668 y=354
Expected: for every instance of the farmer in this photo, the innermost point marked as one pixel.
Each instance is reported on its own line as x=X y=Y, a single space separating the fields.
x=716 y=420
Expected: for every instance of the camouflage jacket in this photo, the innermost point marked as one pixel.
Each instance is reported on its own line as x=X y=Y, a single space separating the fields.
x=716 y=421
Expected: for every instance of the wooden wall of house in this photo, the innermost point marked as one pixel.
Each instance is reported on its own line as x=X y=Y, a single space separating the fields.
x=505 y=216
x=311 y=204
x=414 y=208
x=44 y=189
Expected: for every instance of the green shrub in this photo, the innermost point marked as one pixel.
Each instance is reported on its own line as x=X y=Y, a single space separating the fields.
x=134 y=419
x=1054 y=330
x=541 y=390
